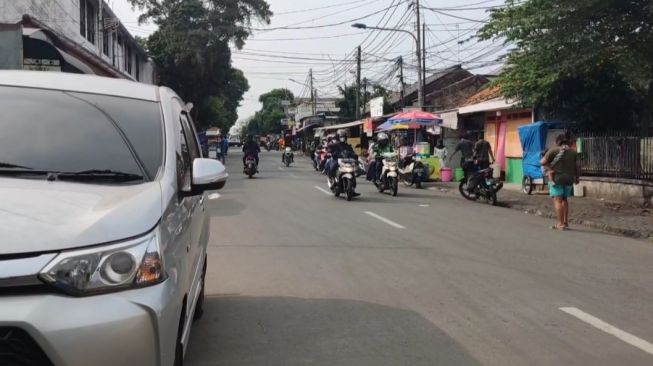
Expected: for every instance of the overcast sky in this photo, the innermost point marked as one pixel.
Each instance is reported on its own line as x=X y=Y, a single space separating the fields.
x=273 y=56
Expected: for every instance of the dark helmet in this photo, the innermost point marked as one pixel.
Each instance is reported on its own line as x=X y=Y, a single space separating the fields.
x=249 y=138
x=382 y=138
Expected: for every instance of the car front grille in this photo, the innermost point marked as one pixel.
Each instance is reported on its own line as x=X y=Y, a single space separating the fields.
x=17 y=348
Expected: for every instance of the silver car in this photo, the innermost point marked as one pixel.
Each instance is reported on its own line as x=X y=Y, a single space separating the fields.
x=103 y=228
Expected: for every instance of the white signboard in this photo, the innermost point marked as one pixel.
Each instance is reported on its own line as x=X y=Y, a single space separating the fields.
x=376 y=107
x=37 y=64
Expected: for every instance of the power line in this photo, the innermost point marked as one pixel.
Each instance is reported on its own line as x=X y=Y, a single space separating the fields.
x=313 y=9
x=325 y=25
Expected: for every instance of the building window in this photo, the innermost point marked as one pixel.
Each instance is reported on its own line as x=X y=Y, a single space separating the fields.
x=127 y=59
x=119 y=51
x=137 y=63
x=105 y=33
x=87 y=20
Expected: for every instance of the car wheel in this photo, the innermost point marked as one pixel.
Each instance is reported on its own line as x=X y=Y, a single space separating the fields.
x=527 y=185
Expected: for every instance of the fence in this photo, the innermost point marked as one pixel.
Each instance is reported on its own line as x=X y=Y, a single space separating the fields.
x=627 y=155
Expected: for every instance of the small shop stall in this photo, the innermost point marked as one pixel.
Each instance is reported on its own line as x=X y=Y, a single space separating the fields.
x=413 y=123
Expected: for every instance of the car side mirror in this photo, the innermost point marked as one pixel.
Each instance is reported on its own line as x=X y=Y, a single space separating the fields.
x=208 y=174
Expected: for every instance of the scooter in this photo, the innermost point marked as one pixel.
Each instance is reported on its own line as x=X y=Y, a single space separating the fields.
x=345 y=178
x=481 y=184
x=412 y=171
x=215 y=153
x=250 y=166
x=288 y=156
x=389 y=174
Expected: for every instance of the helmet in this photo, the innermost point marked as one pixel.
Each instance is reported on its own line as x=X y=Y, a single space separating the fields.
x=249 y=138
x=342 y=135
x=382 y=136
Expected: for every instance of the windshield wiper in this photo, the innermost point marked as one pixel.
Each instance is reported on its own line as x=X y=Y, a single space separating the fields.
x=98 y=174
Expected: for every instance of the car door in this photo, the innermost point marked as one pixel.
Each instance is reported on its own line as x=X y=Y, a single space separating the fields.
x=197 y=212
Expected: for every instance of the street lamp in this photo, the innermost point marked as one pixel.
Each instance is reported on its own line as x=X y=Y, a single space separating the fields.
x=420 y=86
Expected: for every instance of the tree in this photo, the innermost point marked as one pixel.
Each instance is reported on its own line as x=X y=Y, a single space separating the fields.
x=592 y=47
x=347 y=104
x=191 y=50
x=268 y=119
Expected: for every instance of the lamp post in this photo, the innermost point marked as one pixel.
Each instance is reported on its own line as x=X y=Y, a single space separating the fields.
x=420 y=86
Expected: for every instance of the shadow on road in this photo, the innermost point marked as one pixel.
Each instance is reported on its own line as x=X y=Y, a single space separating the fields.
x=238 y=330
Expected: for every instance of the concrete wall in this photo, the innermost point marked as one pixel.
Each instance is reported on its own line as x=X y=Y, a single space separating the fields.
x=632 y=191
x=11 y=47
x=63 y=16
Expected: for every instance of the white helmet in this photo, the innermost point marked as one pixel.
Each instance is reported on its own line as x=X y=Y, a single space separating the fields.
x=382 y=136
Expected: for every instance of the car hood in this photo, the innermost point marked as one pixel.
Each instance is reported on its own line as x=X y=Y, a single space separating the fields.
x=37 y=215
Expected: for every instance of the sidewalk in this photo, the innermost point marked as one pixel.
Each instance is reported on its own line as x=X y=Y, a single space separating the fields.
x=613 y=217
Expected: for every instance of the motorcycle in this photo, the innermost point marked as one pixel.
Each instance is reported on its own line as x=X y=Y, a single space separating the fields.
x=345 y=179
x=288 y=156
x=250 y=166
x=412 y=171
x=389 y=174
x=481 y=184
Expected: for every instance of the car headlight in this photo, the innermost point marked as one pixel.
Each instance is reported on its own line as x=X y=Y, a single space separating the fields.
x=132 y=264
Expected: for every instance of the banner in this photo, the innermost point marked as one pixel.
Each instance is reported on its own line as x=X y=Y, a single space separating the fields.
x=376 y=107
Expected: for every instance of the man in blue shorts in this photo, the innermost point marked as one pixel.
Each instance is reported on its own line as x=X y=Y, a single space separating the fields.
x=561 y=165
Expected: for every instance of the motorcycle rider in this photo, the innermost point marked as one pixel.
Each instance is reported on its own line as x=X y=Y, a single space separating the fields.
x=251 y=148
x=381 y=147
x=340 y=149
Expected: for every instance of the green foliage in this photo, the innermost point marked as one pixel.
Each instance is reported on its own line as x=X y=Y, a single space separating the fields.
x=574 y=57
x=347 y=104
x=268 y=119
x=191 y=50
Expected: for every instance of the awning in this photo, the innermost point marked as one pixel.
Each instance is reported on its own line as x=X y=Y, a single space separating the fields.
x=306 y=127
x=38 y=34
x=495 y=104
x=343 y=125
x=450 y=119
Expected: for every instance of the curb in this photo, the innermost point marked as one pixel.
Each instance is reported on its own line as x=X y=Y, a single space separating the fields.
x=593 y=225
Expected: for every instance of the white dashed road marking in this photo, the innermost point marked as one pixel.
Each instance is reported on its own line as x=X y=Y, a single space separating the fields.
x=322 y=190
x=600 y=324
x=387 y=221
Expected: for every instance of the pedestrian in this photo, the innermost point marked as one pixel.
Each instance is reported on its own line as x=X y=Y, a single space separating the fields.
x=483 y=154
x=441 y=152
x=561 y=166
x=466 y=148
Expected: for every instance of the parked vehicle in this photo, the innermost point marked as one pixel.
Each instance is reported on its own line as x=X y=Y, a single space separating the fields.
x=288 y=156
x=104 y=230
x=389 y=179
x=250 y=166
x=235 y=141
x=345 y=179
x=481 y=184
x=533 y=138
x=412 y=171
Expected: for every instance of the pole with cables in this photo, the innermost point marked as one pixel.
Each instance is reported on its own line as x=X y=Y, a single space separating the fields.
x=418 y=46
x=358 y=83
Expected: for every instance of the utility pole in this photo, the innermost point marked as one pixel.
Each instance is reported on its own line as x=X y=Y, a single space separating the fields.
x=420 y=86
x=401 y=80
x=424 y=56
x=313 y=97
x=364 y=95
x=358 y=83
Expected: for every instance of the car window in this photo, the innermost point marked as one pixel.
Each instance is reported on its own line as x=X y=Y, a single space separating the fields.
x=191 y=137
x=184 y=178
x=71 y=132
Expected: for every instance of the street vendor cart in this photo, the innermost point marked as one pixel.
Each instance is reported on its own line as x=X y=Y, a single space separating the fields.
x=536 y=139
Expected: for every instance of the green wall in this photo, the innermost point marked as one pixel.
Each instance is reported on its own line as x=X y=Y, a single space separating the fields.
x=514 y=170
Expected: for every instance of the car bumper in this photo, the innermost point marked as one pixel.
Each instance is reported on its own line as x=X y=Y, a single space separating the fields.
x=136 y=327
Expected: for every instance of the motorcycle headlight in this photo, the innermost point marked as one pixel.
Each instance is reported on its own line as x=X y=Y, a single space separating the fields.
x=136 y=263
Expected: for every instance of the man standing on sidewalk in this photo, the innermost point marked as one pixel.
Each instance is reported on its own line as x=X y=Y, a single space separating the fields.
x=466 y=148
x=561 y=165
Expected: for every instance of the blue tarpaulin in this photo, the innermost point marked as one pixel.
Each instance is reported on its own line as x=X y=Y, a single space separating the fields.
x=533 y=143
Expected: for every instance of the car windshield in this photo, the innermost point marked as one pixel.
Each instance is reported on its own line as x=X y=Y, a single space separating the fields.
x=55 y=131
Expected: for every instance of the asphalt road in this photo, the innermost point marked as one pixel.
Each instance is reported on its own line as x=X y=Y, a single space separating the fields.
x=298 y=277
